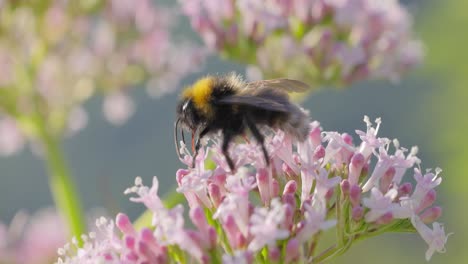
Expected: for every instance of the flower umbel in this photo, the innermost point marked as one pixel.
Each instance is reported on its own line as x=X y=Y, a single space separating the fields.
x=261 y=214
x=55 y=55
x=334 y=42
x=32 y=239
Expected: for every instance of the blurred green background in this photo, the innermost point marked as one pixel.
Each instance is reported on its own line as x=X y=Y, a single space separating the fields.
x=427 y=108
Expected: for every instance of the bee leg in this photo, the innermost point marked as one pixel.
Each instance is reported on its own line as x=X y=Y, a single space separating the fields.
x=227 y=137
x=258 y=136
x=198 y=144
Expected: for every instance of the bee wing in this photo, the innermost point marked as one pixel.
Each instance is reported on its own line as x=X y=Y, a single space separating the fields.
x=255 y=101
x=280 y=85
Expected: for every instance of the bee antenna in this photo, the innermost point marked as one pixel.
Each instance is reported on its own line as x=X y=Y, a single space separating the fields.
x=176 y=138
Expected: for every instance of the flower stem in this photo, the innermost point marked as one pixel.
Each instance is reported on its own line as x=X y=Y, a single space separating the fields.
x=325 y=254
x=340 y=228
x=313 y=245
x=332 y=252
x=61 y=185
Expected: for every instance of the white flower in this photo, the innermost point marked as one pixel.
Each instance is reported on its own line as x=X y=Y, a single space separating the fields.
x=370 y=141
x=425 y=183
x=315 y=220
x=380 y=204
x=335 y=144
x=148 y=196
x=435 y=237
x=265 y=225
x=237 y=206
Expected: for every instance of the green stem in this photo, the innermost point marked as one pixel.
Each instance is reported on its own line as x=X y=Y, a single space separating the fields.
x=313 y=245
x=325 y=254
x=332 y=252
x=61 y=185
x=338 y=250
x=340 y=237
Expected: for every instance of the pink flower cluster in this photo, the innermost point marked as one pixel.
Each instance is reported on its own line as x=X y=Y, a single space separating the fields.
x=56 y=55
x=334 y=42
x=32 y=239
x=278 y=213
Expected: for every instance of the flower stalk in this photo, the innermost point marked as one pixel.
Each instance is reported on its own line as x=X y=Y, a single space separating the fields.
x=61 y=184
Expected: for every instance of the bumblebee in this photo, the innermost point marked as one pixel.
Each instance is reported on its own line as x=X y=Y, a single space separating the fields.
x=232 y=106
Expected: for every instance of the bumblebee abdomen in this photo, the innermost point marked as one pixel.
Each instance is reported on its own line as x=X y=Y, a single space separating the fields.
x=295 y=121
x=267 y=117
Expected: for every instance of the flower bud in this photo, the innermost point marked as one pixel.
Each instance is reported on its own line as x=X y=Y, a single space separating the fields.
x=198 y=218
x=386 y=218
x=123 y=223
x=290 y=187
x=292 y=250
x=355 y=195
x=263 y=183
x=274 y=188
x=319 y=153
x=215 y=194
x=386 y=179
x=431 y=214
x=289 y=199
x=427 y=201
x=405 y=189
x=355 y=167
x=357 y=213
x=274 y=254
x=345 y=187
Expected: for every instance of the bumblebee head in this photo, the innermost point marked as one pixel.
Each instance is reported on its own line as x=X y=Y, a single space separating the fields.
x=194 y=107
x=195 y=104
x=187 y=118
x=187 y=114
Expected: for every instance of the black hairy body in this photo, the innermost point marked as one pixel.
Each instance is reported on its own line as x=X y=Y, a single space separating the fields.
x=231 y=106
